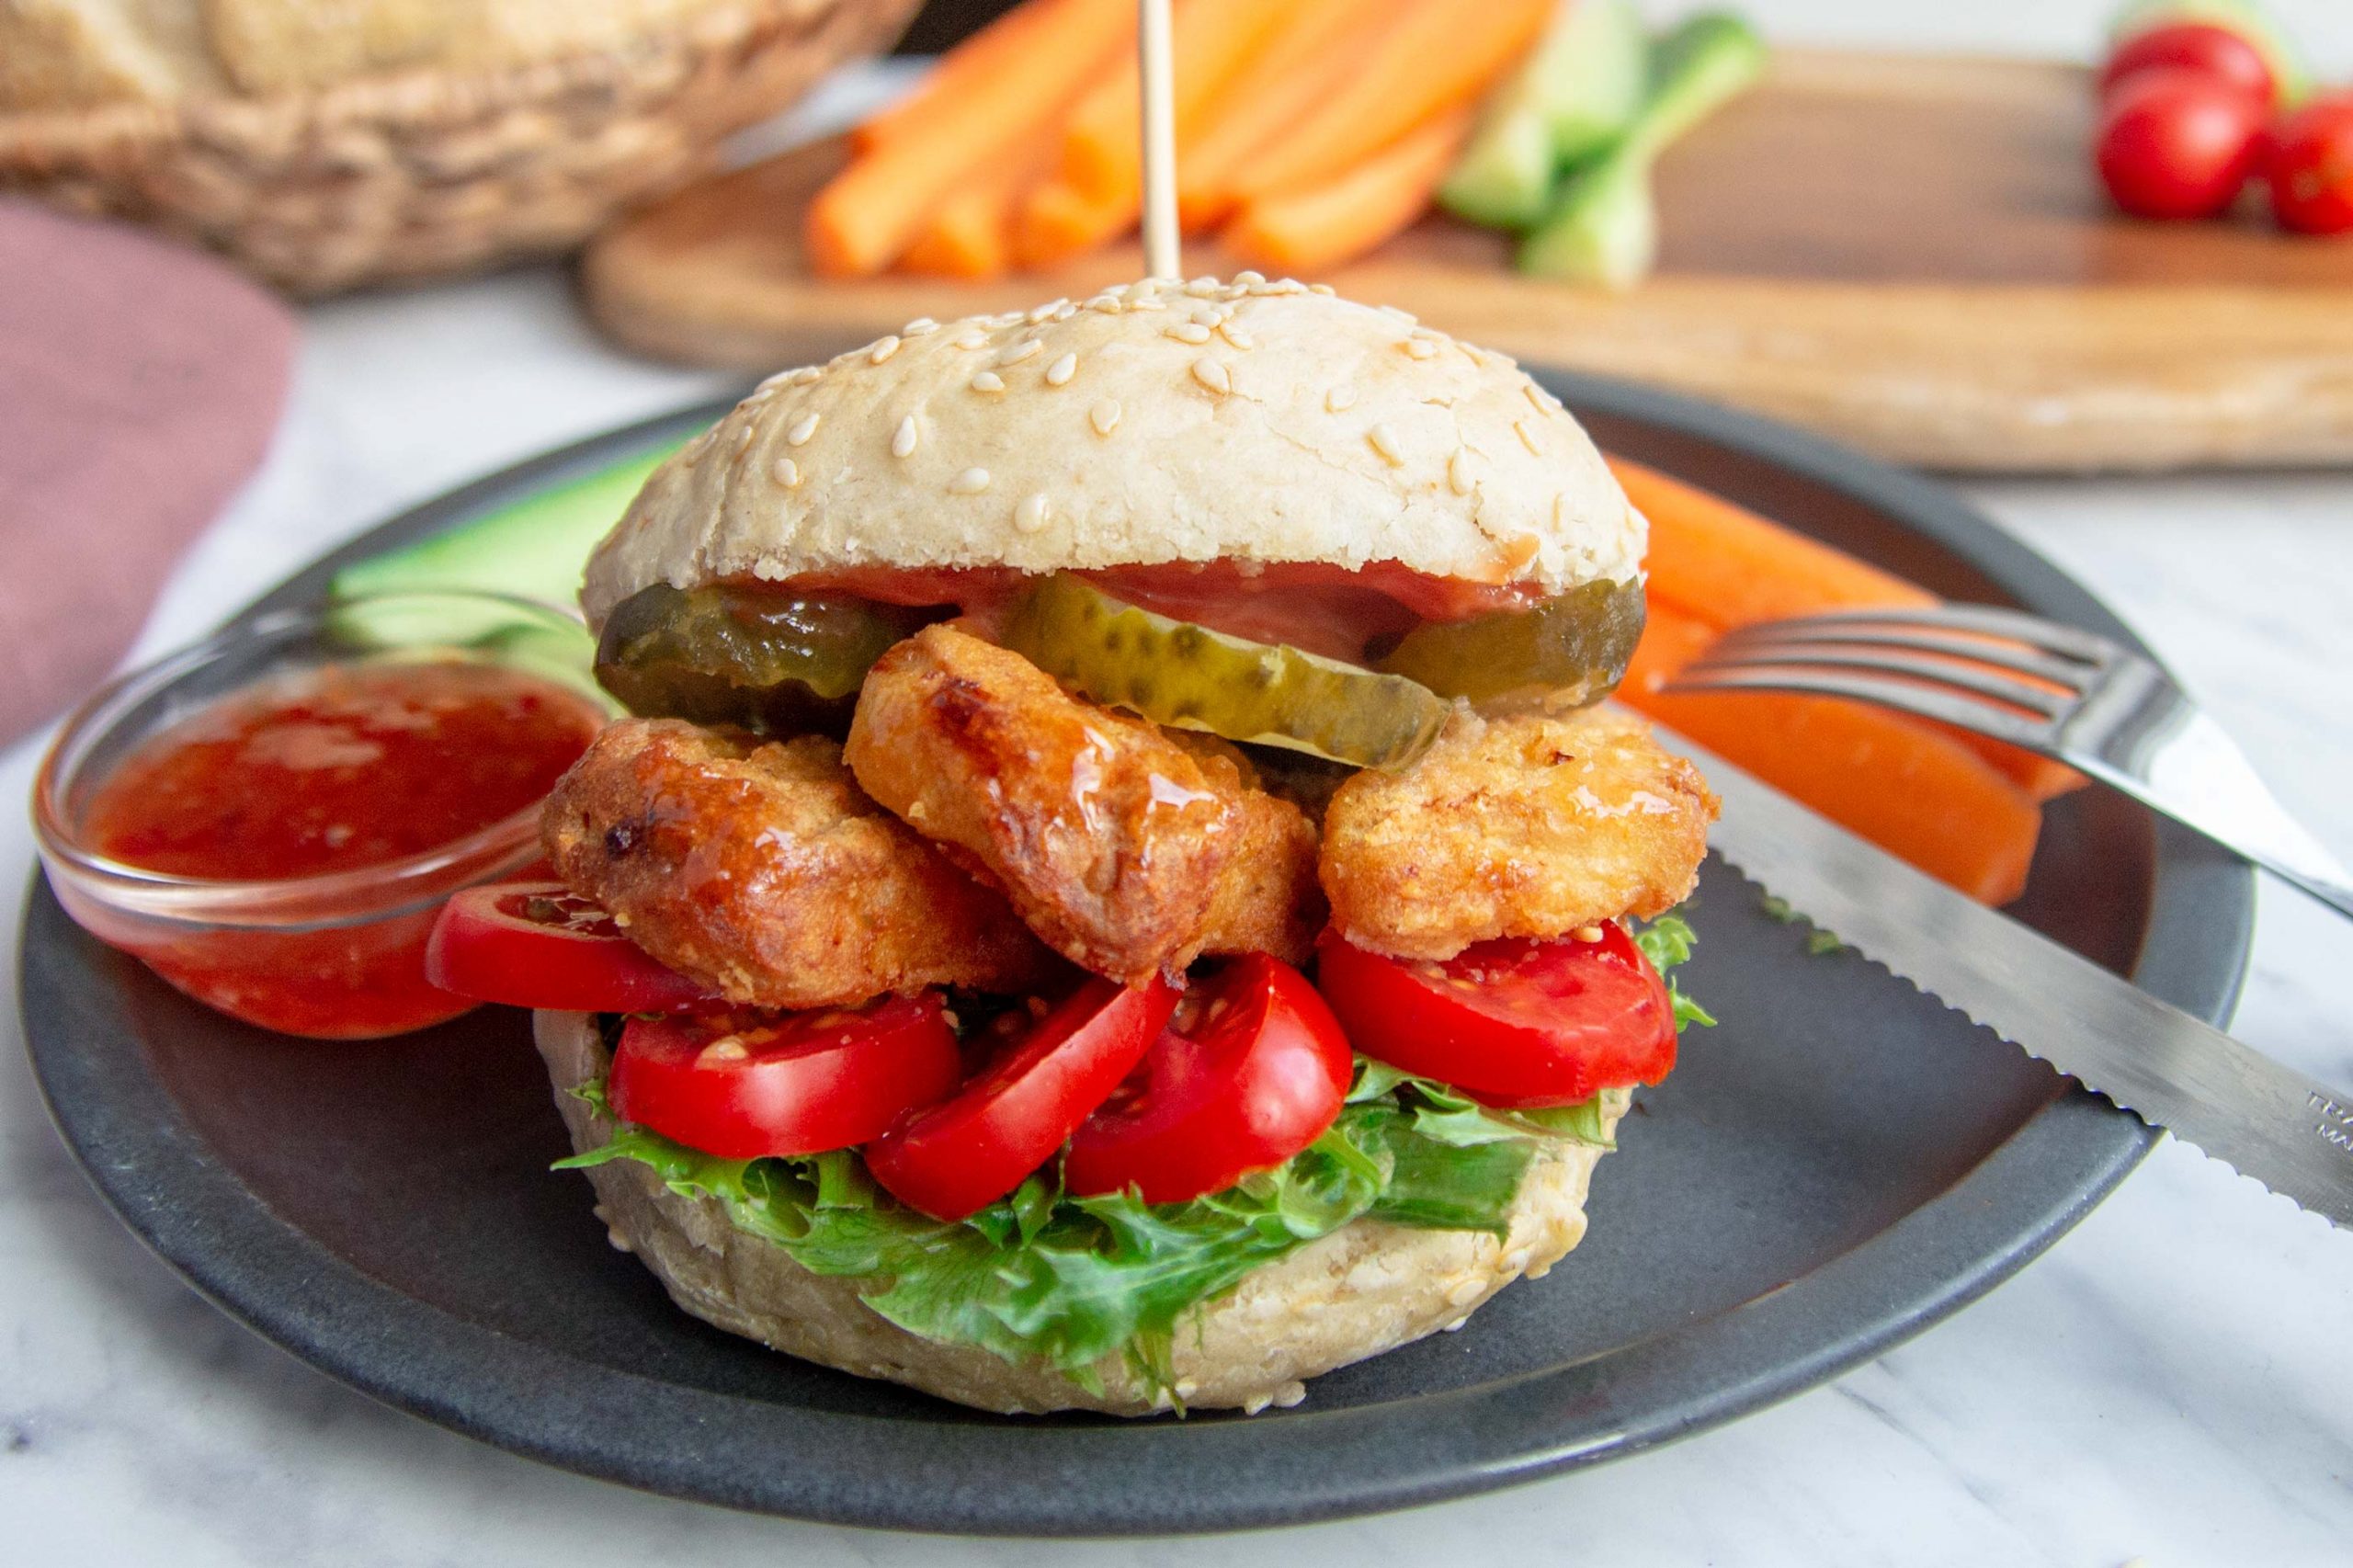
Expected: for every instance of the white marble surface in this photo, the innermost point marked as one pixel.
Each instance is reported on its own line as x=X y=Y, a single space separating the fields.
x=2170 y=1382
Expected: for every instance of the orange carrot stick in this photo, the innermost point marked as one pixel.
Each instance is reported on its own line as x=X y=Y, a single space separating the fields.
x=1304 y=230
x=1057 y=220
x=993 y=49
x=1915 y=791
x=868 y=215
x=1438 y=56
x=1730 y=567
x=1320 y=42
x=1210 y=39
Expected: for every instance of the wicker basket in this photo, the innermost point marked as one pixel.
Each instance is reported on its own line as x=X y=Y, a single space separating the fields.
x=410 y=174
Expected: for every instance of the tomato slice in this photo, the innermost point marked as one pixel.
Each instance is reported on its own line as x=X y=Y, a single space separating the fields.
x=1510 y=1022
x=793 y=1084
x=1251 y=1068
x=537 y=945
x=956 y=1157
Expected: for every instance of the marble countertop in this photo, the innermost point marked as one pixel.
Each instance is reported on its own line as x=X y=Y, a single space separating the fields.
x=2167 y=1383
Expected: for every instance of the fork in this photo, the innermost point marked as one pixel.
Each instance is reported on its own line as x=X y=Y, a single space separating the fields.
x=2053 y=689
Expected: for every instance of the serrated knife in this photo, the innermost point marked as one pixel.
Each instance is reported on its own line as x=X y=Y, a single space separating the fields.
x=2236 y=1105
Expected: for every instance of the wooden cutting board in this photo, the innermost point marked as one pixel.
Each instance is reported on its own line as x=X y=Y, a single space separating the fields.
x=1907 y=252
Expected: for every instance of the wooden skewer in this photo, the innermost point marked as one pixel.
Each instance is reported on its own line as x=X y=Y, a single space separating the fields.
x=1159 y=132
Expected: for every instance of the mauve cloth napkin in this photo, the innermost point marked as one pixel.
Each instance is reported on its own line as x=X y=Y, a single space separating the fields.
x=139 y=385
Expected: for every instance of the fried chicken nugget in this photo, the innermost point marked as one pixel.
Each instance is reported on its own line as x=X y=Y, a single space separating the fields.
x=1527 y=827
x=762 y=871
x=1127 y=852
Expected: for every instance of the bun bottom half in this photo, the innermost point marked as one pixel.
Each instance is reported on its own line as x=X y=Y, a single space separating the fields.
x=1366 y=1287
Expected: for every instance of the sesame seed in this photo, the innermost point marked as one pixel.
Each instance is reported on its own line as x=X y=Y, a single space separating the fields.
x=788 y=473
x=1059 y=372
x=1457 y=471
x=1249 y=279
x=1067 y=311
x=1214 y=376
x=1105 y=417
x=884 y=347
x=1419 y=348
x=1189 y=332
x=904 y=442
x=1527 y=438
x=1534 y=394
x=1339 y=399
x=1034 y=513
x=699 y=445
x=806 y=374
x=971 y=482
x=1236 y=335
x=1209 y=316
x=1109 y=304
x=801 y=432
x=974 y=340
x=1045 y=312
x=1324 y=289
x=988 y=381
x=1027 y=348
x=1384 y=442
x=1289 y=286
x=1587 y=933
x=781 y=378
x=742 y=436
x=1202 y=288
x=918 y=326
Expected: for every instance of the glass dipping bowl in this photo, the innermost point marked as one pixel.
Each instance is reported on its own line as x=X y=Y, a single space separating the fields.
x=339 y=955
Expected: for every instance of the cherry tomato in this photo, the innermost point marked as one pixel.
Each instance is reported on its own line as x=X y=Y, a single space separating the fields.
x=2202 y=47
x=791 y=1084
x=1251 y=1069
x=2308 y=162
x=537 y=945
x=1510 y=1022
x=2174 y=143
x=960 y=1155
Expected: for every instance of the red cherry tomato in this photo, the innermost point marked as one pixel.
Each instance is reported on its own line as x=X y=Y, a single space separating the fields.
x=1251 y=1069
x=1510 y=1022
x=791 y=1084
x=961 y=1155
x=2202 y=47
x=2308 y=162
x=2177 y=145
x=537 y=945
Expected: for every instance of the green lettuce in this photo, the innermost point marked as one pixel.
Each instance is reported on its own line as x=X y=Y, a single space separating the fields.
x=1048 y=1275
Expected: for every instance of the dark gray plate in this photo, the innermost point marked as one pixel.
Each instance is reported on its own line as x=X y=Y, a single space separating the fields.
x=1840 y=1164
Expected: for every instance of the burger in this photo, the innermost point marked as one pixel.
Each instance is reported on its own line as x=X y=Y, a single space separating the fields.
x=1120 y=889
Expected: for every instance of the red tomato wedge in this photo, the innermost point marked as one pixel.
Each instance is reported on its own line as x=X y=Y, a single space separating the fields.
x=1251 y=1068
x=1510 y=1022
x=537 y=945
x=961 y=1155
x=794 y=1083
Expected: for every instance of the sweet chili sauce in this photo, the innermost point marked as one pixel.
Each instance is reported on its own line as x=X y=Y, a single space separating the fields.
x=333 y=770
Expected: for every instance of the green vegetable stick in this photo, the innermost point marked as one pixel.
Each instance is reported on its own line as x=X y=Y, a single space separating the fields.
x=1575 y=95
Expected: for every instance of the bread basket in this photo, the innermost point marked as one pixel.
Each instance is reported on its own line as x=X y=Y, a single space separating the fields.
x=408 y=173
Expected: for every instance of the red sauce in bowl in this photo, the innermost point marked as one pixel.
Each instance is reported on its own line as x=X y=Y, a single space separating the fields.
x=326 y=771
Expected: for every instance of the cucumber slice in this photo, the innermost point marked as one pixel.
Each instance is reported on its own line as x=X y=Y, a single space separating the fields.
x=534 y=549
x=1576 y=92
x=1174 y=672
x=1604 y=226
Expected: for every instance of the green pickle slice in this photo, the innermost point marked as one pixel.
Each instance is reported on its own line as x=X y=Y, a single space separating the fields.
x=1174 y=672
x=779 y=664
x=1566 y=653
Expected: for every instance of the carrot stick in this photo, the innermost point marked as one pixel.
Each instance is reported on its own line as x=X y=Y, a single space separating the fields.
x=1321 y=226
x=1102 y=155
x=1319 y=42
x=1440 y=55
x=1057 y=220
x=1730 y=567
x=868 y=215
x=993 y=49
x=1915 y=791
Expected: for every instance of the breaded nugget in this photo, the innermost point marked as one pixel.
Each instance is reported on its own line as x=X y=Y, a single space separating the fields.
x=762 y=871
x=1526 y=826
x=1127 y=852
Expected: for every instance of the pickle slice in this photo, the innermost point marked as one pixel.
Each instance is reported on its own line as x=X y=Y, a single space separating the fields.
x=1568 y=652
x=778 y=663
x=1174 y=672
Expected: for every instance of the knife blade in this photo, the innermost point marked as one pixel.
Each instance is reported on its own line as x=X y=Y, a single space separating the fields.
x=2290 y=1133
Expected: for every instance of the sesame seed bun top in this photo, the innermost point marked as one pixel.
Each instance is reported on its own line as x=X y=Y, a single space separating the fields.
x=1160 y=421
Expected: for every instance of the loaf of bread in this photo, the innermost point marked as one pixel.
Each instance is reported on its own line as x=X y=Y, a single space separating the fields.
x=74 y=53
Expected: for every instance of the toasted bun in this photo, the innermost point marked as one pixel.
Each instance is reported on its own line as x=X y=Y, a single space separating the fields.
x=1365 y=1288
x=1156 y=421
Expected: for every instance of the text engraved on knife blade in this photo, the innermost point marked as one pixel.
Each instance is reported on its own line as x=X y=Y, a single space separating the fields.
x=2338 y=1124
